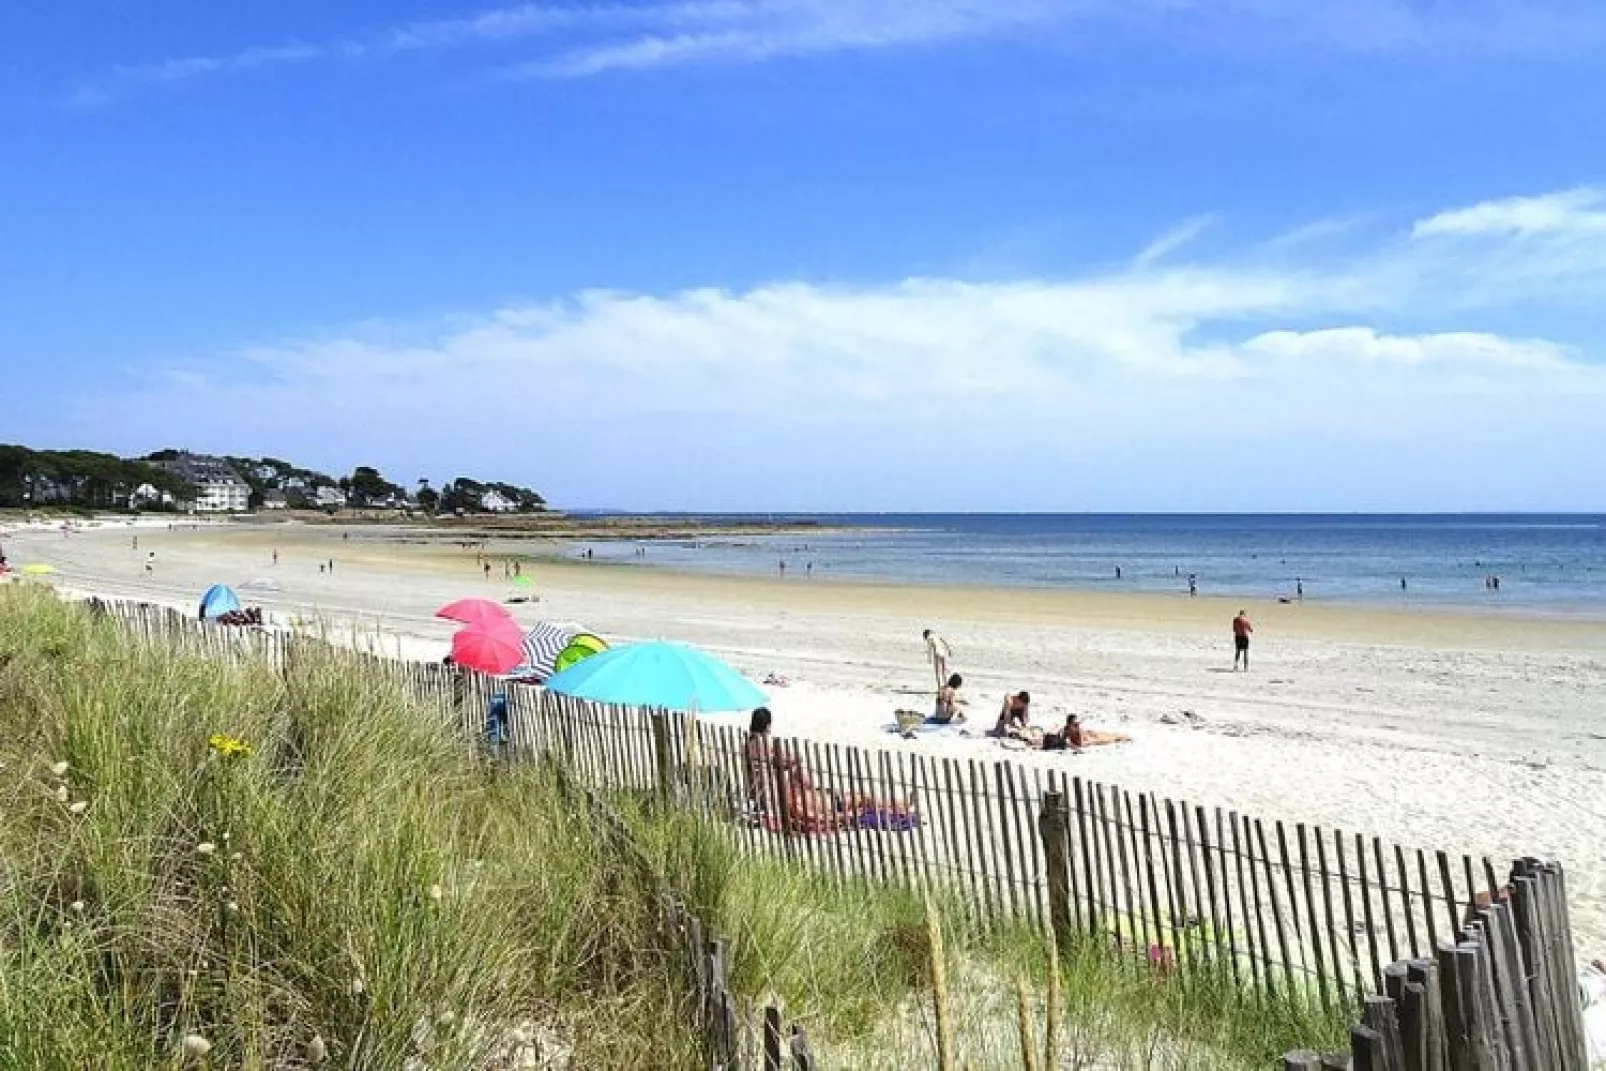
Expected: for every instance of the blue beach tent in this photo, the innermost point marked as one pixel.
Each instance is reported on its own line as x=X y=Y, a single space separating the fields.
x=218 y=600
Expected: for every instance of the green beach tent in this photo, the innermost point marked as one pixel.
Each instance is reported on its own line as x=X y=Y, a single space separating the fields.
x=580 y=648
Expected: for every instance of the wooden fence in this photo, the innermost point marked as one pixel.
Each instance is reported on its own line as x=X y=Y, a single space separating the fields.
x=1500 y=996
x=1281 y=909
x=735 y=1035
x=1276 y=911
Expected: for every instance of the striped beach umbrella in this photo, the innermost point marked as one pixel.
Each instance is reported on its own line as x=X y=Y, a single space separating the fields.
x=543 y=644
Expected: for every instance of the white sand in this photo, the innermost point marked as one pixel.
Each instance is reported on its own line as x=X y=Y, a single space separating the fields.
x=1468 y=734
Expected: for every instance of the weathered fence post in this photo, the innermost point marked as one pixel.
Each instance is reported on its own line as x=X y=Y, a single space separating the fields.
x=1380 y=1050
x=1053 y=825
x=772 y=1038
x=802 y=1055
x=659 y=721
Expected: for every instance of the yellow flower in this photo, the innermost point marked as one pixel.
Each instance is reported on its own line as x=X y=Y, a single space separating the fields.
x=228 y=746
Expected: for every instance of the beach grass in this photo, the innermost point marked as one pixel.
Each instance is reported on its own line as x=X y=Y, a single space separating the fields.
x=289 y=869
x=851 y=963
x=354 y=885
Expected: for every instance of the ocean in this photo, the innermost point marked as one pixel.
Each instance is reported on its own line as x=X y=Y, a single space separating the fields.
x=1551 y=564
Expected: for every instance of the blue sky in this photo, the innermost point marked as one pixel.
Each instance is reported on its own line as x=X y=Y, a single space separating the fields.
x=830 y=254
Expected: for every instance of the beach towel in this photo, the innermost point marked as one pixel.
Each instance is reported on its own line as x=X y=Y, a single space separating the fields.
x=888 y=819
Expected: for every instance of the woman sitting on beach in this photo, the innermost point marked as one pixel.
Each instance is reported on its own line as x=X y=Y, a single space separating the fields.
x=949 y=702
x=773 y=770
x=1014 y=715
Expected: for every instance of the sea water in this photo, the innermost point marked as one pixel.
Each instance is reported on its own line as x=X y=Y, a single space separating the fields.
x=1545 y=563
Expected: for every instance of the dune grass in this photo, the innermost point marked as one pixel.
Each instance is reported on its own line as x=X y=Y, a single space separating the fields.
x=360 y=890
x=852 y=963
x=356 y=885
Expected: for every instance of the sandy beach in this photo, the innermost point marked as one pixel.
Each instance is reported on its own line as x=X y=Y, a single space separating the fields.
x=1464 y=732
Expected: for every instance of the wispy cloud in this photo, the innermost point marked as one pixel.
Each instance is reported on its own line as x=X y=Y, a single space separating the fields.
x=827 y=390
x=619 y=36
x=1316 y=231
x=1173 y=239
x=1568 y=213
x=752 y=32
x=124 y=78
x=578 y=40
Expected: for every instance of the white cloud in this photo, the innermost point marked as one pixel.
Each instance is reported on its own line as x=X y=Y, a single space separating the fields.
x=1172 y=240
x=765 y=30
x=1458 y=349
x=1567 y=213
x=586 y=39
x=795 y=395
x=615 y=36
x=123 y=78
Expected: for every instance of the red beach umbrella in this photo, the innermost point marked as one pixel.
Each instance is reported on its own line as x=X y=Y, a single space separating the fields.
x=491 y=647
x=474 y=612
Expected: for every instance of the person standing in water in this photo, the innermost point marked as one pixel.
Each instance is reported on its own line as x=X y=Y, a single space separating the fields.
x=1241 y=628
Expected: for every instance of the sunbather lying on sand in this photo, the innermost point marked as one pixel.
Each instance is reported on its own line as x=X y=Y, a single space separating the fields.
x=777 y=780
x=1076 y=737
x=1071 y=738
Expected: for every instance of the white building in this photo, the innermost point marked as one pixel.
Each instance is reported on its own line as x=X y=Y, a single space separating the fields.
x=274 y=498
x=147 y=495
x=221 y=494
x=218 y=488
x=330 y=498
x=496 y=502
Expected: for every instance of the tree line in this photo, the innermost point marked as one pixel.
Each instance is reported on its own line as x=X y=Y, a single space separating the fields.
x=83 y=478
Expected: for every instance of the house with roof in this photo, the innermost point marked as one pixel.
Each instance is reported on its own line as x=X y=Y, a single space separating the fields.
x=218 y=488
x=494 y=501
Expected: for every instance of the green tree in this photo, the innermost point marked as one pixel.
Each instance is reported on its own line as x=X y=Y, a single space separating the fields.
x=368 y=485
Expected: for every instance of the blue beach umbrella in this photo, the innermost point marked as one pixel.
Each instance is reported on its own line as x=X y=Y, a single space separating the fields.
x=658 y=674
x=218 y=600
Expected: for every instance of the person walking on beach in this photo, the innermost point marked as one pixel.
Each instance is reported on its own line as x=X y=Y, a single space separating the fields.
x=487 y=570
x=1241 y=628
x=1299 y=589
x=1193 y=584
x=275 y=555
x=939 y=651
